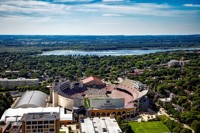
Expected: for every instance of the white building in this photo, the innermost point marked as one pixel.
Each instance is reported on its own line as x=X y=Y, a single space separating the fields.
x=12 y=115
x=32 y=99
x=4 y=82
x=99 y=125
x=172 y=63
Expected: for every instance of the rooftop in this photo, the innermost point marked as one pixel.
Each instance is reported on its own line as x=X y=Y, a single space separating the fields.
x=18 y=79
x=92 y=78
x=100 y=125
x=32 y=99
x=11 y=114
x=40 y=116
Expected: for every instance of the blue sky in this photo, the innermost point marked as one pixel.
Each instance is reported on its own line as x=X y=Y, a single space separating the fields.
x=100 y=17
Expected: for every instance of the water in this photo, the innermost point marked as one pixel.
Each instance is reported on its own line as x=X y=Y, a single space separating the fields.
x=111 y=52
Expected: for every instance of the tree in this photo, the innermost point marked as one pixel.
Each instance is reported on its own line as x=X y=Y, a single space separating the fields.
x=182 y=99
x=186 y=130
x=69 y=129
x=187 y=117
x=196 y=126
x=161 y=88
x=119 y=120
x=23 y=73
x=126 y=127
x=177 y=128
x=77 y=126
x=129 y=129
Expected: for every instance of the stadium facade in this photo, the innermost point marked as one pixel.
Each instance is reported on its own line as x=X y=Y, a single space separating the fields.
x=124 y=99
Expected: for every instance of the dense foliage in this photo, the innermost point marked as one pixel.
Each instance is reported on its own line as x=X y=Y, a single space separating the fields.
x=5 y=102
x=174 y=126
x=196 y=126
x=11 y=43
x=124 y=125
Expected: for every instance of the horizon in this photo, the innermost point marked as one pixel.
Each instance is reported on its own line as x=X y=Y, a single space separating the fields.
x=99 y=17
x=99 y=35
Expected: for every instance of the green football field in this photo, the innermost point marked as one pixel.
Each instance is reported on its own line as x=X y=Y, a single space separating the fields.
x=149 y=127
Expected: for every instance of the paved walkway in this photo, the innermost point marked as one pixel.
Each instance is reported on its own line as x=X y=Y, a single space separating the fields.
x=73 y=126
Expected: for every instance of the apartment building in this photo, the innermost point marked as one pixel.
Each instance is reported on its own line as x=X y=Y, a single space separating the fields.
x=41 y=122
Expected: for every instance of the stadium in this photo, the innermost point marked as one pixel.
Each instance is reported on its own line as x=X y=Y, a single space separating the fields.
x=99 y=99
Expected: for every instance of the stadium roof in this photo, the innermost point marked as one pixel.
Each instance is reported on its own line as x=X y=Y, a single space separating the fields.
x=92 y=78
x=32 y=99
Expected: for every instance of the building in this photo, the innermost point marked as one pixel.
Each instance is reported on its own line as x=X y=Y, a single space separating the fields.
x=134 y=93
x=32 y=99
x=123 y=99
x=167 y=100
x=60 y=97
x=4 y=82
x=93 y=81
x=178 y=107
x=9 y=71
x=99 y=125
x=173 y=63
x=15 y=94
x=14 y=127
x=136 y=72
x=106 y=103
x=41 y=122
x=13 y=115
x=32 y=114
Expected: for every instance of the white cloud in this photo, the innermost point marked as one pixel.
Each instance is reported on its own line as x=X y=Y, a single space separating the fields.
x=33 y=9
x=112 y=15
x=75 y=1
x=48 y=9
x=82 y=9
x=149 y=9
x=90 y=17
x=113 y=0
x=192 y=5
x=107 y=23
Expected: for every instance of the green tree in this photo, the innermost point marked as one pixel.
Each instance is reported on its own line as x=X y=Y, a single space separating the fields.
x=185 y=130
x=119 y=120
x=196 y=126
x=69 y=129
x=182 y=99
x=187 y=117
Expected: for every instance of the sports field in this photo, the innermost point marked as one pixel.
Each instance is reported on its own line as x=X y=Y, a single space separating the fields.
x=149 y=127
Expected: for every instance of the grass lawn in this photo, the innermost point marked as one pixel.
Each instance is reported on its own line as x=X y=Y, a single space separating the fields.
x=149 y=127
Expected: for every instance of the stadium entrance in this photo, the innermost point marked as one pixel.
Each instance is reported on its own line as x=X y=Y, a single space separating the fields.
x=125 y=113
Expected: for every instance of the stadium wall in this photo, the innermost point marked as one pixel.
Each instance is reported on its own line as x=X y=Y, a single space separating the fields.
x=107 y=103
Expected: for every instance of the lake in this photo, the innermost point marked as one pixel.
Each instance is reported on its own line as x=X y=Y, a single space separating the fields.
x=111 y=52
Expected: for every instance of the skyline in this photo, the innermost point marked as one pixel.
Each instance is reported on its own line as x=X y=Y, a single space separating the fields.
x=99 y=17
